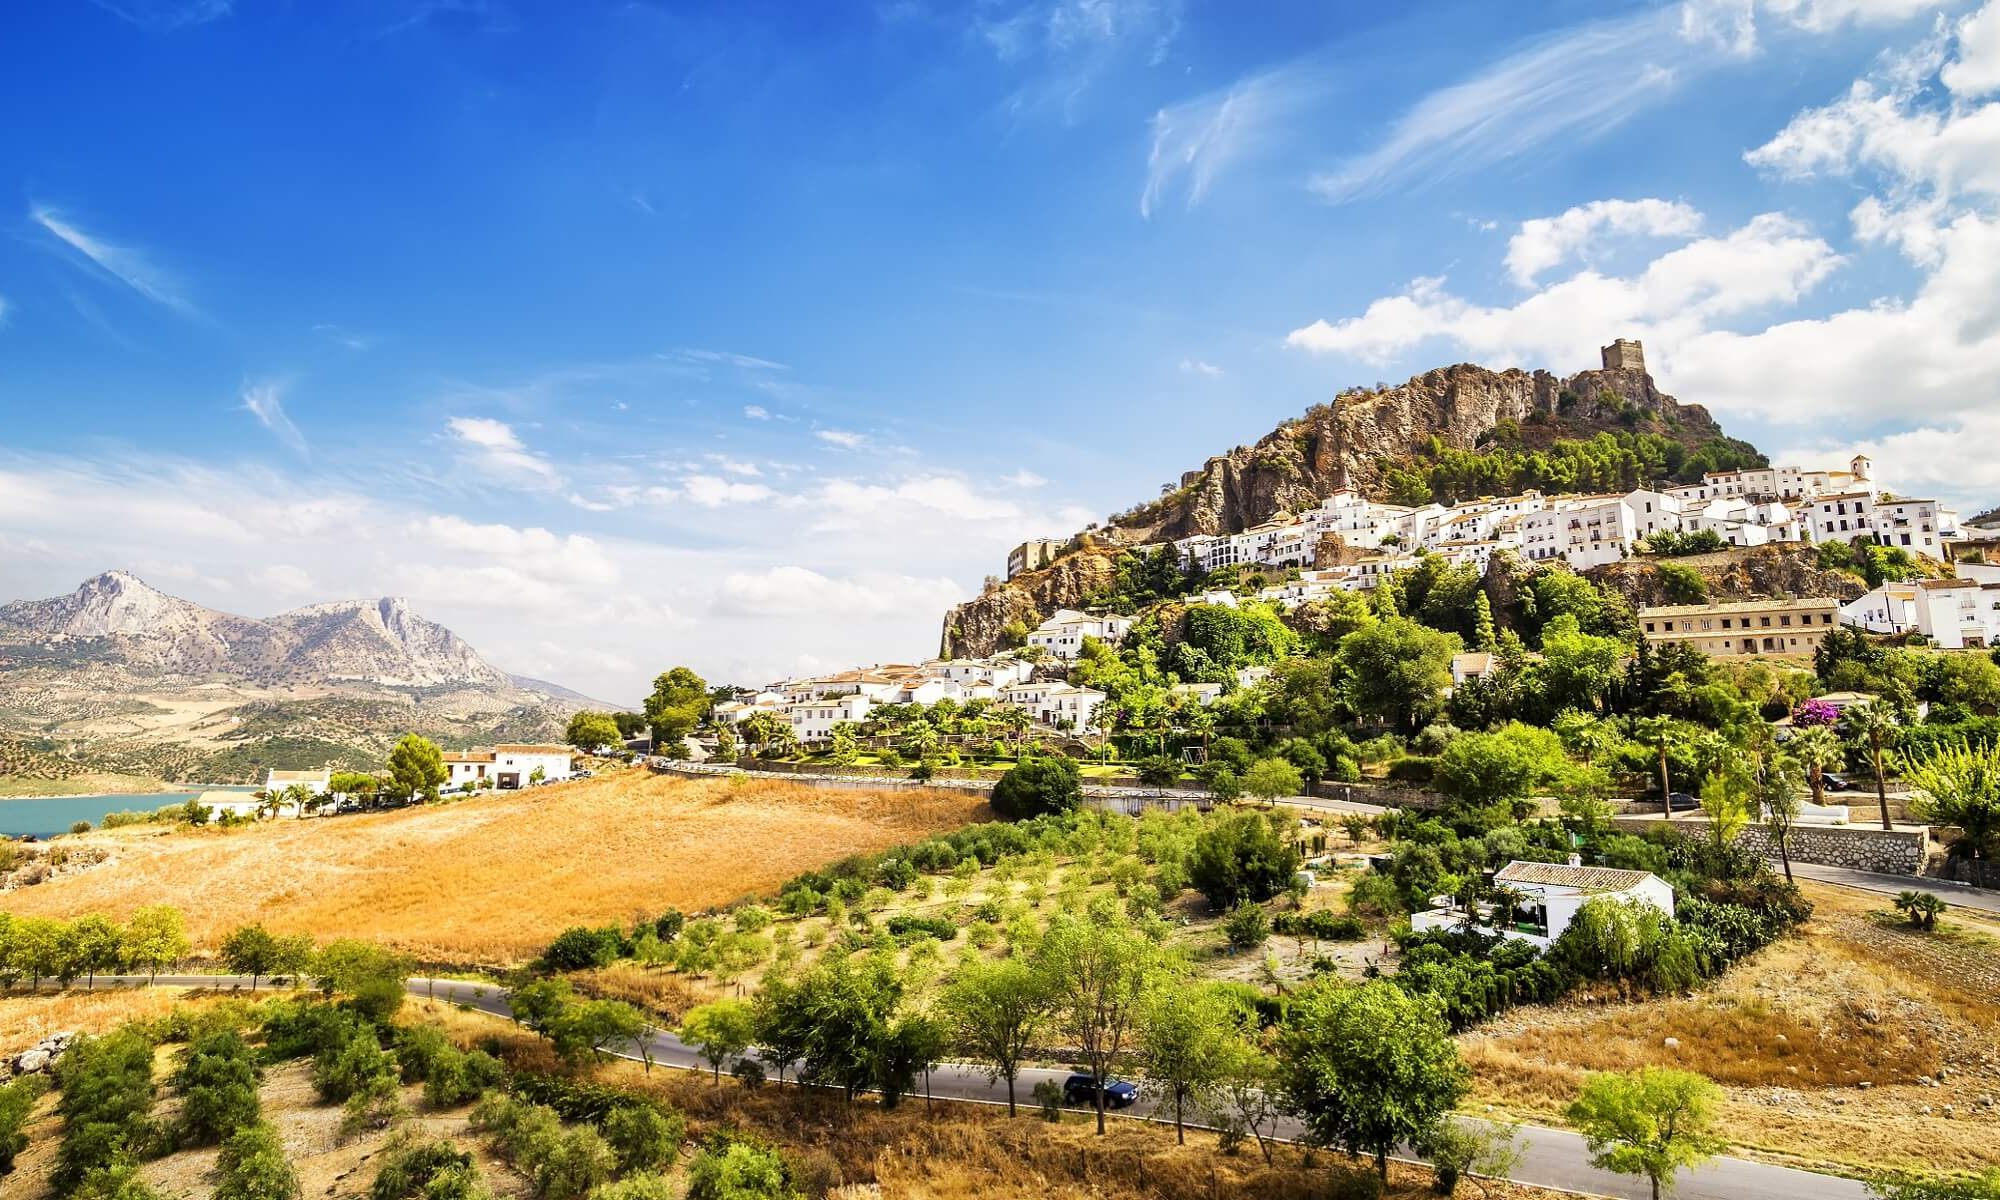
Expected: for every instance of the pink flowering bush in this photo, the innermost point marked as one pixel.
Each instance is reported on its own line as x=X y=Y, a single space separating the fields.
x=1815 y=712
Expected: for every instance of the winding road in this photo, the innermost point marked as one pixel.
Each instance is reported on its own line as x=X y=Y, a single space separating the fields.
x=1550 y=1158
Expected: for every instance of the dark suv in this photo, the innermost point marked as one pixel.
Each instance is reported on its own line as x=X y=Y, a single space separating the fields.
x=1082 y=1089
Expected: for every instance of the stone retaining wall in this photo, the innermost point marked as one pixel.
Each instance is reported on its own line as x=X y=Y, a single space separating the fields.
x=1856 y=847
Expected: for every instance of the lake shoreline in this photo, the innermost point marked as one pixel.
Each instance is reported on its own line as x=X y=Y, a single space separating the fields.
x=163 y=790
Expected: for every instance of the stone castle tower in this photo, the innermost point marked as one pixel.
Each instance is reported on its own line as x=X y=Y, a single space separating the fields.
x=1624 y=355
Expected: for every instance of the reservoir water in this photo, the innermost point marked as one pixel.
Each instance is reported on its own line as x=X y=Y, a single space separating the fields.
x=45 y=816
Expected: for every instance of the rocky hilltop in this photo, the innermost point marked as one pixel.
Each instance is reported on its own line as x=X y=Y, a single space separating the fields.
x=1350 y=442
x=383 y=641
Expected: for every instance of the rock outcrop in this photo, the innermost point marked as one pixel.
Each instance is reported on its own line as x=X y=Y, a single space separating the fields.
x=977 y=627
x=1348 y=443
x=1762 y=572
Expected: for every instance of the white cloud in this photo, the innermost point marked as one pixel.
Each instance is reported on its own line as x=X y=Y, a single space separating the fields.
x=844 y=438
x=747 y=362
x=790 y=591
x=735 y=466
x=342 y=337
x=284 y=579
x=1575 y=85
x=1195 y=366
x=1548 y=242
x=1023 y=478
x=1771 y=260
x=165 y=16
x=710 y=491
x=130 y=267
x=1197 y=140
x=496 y=447
x=1976 y=71
x=265 y=400
x=756 y=412
x=1732 y=25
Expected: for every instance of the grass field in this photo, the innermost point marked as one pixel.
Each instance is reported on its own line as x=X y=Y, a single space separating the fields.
x=487 y=881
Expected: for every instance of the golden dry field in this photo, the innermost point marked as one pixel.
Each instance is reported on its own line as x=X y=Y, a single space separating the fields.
x=1859 y=1044
x=488 y=880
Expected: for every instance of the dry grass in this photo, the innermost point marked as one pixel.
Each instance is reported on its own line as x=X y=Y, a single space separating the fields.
x=653 y=990
x=489 y=880
x=1792 y=1034
x=26 y=1018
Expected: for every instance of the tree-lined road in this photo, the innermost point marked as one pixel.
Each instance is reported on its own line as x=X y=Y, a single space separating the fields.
x=1551 y=1158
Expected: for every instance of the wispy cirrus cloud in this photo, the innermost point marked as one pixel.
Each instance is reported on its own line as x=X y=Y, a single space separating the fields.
x=127 y=265
x=846 y=439
x=495 y=446
x=1196 y=140
x=165 y=16
x=1578 y=83
x=265 y=400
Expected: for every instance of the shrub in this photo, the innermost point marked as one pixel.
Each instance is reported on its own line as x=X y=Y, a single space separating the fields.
x=1247 y=926
x=736 y=1169
x=643 y=1138
x=1048 y=1099
x=17 y=1100
x=1413 y=769
x=908 y=928
x=107 y=1095
x=1160 y=770
x=80 y=827
x=1038 y=786
x=574 y=1164
x=252 y=1166
x=343 y=1069
x=579 y=948
x=411 y=1170
x=217 y=1080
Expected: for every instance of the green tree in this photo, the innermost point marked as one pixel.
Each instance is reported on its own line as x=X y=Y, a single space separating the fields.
x=1503 y=769
x=1817 y=748
x=719 y=1031
x=590 y=730
x=352 y=783
x=541 y=1005
x=1662 y=734
x=252 y=950
x=586 y=1029
x=1652 y=1122
x=155 y=936
x=416 y=767
x=1369 y=1067
x=1959 y=784
x=1241 y=857
x=1273 y=779
x=217 y=1079
x=1396 y=670
x=993 y=1010
x=643 y=1137
x=1039 y=785
x=680 y=701
x=95 y=945
x=1098 y=975
x=1922 y=908
x=1873 y=724
x=1484 y=637
x=1185 y=1033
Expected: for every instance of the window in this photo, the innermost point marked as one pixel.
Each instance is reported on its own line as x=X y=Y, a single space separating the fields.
x=1786 y=619
x=1649 y=627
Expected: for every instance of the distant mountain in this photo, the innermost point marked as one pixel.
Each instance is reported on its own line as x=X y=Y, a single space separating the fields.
x=117 y=619
x=556 y=691
x=382 y=641
x=118 y=676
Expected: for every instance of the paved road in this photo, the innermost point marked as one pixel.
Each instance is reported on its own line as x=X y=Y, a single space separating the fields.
x=1551 y=1158
x=1964 y=895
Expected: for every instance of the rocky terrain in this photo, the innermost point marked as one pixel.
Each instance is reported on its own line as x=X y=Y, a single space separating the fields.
x=1753 y=574
x=120 y=677
x=1348 y=443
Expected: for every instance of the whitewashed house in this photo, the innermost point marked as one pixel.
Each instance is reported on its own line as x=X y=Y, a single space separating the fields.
x=319 y=781
x=1062 y=634
x=1548 y=896
x=509 y=765
x=813 y=720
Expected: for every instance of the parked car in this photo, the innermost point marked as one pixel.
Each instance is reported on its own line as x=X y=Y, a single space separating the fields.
x=1682 y=802
x=1082 y=1089
x=1836 y=783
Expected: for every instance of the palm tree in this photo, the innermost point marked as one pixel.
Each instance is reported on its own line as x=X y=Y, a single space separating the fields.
x=1657 y=732
x=1817 y=748
x=1922 y=908
x=1874 y=722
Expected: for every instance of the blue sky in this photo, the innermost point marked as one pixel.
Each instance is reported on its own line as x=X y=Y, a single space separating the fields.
x=751 y=335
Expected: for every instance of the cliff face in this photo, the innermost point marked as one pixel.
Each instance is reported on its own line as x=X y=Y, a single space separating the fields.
x=1764 y=572
x=974 y=629
x=1346 y=443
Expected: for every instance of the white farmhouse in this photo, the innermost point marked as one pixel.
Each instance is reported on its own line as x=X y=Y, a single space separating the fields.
x=509 y=765
x=1547 y=898
x=319 y=781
